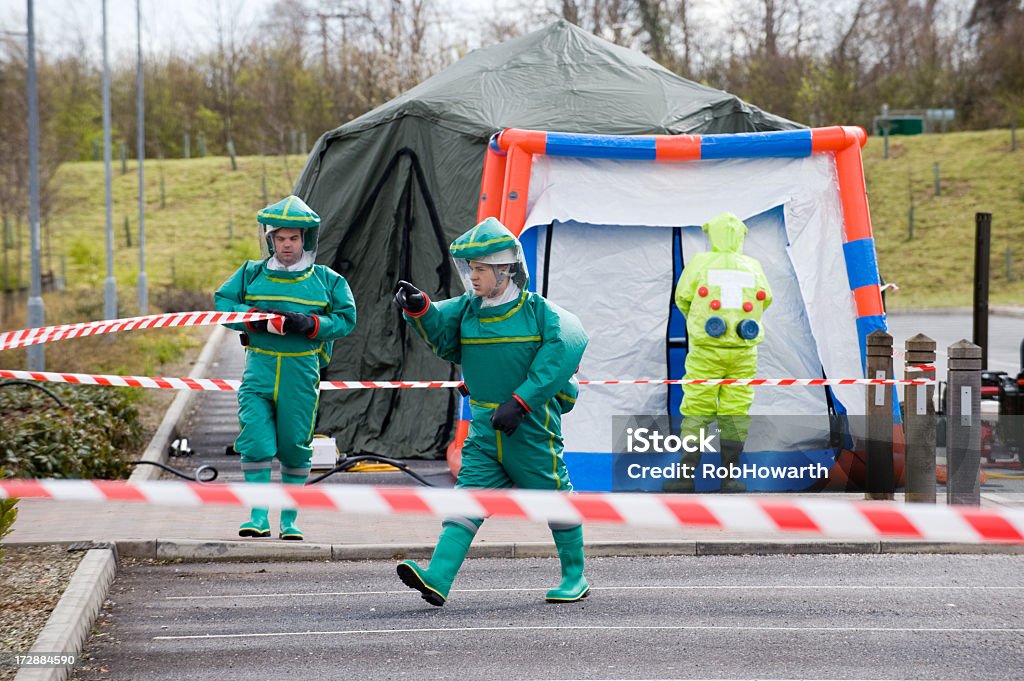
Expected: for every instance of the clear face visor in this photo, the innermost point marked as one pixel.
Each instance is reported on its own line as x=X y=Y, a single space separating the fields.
x=266 y=236
x=512 y=266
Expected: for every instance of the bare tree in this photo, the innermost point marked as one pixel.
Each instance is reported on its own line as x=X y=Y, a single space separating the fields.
x=653 y=24
x=227 y=61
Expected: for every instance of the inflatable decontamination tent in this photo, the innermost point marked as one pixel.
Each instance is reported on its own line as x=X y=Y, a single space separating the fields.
x=395 y=186
x=607 y=225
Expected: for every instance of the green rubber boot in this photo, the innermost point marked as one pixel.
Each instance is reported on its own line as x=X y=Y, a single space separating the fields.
x=436 y=581
x=574 y=585
x=678 y=486
x=731 y=451
x=683 y=485
x=289 y=530
x=258 y=524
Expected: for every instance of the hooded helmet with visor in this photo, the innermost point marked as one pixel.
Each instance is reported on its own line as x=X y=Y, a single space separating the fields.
x=490 y=243
x=293 y=213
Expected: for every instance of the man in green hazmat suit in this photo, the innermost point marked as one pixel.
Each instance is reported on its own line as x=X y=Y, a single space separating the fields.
x=518 y=353
x=280 y=388
x=723 y=294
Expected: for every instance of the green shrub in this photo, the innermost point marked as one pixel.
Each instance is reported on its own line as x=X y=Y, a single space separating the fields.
x=8 y=514
x=94 y=435
x=84 y=251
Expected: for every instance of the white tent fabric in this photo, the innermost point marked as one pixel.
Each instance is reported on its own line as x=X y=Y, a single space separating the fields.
x=617 y=281
x=611 y=264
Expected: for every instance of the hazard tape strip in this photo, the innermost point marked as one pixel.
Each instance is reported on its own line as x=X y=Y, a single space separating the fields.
x=124 y=381
x=231 y=385
x=47 y=334
x=737 y=513
x=25 y=337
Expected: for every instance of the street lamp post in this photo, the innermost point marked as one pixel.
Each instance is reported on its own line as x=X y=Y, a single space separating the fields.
x=36 y=359
x=143 y=285
x=109 y=286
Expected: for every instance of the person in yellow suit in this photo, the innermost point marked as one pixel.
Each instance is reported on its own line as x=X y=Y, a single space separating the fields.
x=518 y=353
x=280 y=389
x=723 y=294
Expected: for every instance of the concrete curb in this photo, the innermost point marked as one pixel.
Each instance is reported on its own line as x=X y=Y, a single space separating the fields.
x=156 y=451
x=993 y=310
x=200 y=550
x=69 y=624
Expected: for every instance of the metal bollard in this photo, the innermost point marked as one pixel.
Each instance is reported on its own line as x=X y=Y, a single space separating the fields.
x=919 y=421
x=982 y=252
x=963 y=424
x=881 y=479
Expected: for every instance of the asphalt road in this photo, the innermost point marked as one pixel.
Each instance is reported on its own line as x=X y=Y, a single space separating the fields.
x=1005 y=335
x=734 y=617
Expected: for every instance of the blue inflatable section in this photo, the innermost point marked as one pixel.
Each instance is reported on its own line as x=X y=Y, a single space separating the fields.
x=861 y=264
x=676 y=360
x=786 y=144
x=589 y=471
x=600 y=146
x=528 y=239
x=865 y=325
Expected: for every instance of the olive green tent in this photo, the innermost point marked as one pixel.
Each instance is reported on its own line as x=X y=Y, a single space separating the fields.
x=395 y=186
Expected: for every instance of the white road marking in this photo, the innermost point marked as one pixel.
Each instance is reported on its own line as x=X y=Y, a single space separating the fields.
x=429 y=630
x=695 y=587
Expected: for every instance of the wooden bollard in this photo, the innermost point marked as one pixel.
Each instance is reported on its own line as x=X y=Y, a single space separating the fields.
x=919 y=420
x=881 y=479
x=963 y=424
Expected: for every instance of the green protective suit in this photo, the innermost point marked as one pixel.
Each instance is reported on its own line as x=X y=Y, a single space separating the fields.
x=280 y=389
x=723 y=294
x=526 y=349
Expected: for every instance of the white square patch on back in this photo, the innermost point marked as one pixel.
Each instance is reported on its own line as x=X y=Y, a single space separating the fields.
x=731 y=283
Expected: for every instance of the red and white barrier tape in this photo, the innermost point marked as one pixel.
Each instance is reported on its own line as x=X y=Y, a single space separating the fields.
x=764 y=381
x=47 y=334
x=231 y=385
x=827 y=517
x=124 y=381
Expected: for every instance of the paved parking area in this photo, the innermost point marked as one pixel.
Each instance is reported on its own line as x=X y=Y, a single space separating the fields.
x=770 y=617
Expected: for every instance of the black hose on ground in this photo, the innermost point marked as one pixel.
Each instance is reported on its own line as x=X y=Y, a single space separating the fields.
x=46 y=390
x=198 y=476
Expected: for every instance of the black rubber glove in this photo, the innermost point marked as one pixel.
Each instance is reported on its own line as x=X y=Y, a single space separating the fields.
x=409 y=298
x=297 y=323
x=508 y=416
x=259 y=325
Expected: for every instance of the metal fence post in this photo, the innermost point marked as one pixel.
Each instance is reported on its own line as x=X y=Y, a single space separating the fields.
x=982 y=249
x=881 y=479
x=963 y=424
x=919 y=420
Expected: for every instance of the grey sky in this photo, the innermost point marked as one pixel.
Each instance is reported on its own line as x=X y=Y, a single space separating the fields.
x=180 y=26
